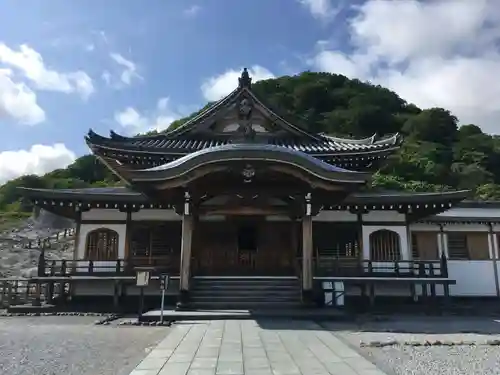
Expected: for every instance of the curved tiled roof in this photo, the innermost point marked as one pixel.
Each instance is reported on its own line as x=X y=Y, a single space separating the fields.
x=127 y=194
x=162 y=143
x=248 y=153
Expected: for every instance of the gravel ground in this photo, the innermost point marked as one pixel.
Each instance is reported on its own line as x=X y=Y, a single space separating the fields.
x=72 y=346
x=457 y=360
x=475 y=358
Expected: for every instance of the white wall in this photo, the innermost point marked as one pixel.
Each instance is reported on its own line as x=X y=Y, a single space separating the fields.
x=338 y=216
x=104 y=214
x=475 y=278
x=471 y=212
x=372 y=216
x=390 y=216
x=155 y=215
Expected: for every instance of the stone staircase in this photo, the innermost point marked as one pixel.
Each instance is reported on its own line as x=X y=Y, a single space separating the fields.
x=245 y=293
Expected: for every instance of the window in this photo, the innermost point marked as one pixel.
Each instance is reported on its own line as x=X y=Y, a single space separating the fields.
x=457 y=246
x=385 y=246
x=102 y=244
x=336 y=240
x=247 y=237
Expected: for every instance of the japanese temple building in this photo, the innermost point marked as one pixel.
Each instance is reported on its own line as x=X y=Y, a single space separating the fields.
x=242 y=199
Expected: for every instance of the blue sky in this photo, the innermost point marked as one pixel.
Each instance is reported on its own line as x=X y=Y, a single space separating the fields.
x=67 y=66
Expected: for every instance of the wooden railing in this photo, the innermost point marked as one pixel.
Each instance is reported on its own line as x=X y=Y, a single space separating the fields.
x=330 y=266
x=119 y=267
x=367 y=268
x=46 y=242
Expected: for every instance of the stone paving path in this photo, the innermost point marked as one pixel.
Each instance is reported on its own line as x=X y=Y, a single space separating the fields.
x=247 y=347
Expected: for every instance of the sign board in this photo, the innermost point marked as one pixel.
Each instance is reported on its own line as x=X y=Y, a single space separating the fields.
x=142 y=278
x=164 y=280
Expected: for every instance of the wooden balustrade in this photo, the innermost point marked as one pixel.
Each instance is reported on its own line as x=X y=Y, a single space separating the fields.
x=46 y=242
x=119 y=267
x=331 y=266
x=323 y=267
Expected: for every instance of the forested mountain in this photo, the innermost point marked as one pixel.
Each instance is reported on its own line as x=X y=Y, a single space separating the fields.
x=436 y=155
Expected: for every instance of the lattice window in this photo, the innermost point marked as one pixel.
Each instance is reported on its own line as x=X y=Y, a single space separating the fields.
x=155 y=239
x=102 y=244
x=457 y=246
x=385 y=245
x=336 y=240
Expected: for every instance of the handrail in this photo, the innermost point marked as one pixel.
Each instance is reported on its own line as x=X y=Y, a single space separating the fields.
x=370 y=268
x=65 y=267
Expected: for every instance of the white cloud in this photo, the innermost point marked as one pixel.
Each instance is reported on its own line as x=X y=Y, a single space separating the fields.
x=192 y=11
x=39 y=159
x=219 y=86
x=129 y=72
x=30 y=63
x=322 y=9
x=18 y=101
x=133 y=122
x=442 y=53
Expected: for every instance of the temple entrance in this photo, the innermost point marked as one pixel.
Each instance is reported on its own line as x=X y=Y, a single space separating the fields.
x=244 y=246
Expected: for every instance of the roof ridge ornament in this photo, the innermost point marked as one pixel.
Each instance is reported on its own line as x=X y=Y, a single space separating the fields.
x=245 y=81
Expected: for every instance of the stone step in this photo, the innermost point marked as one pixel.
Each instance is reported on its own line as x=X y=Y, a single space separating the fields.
x=243 y=305
x=246 y=280
x=246 y=293
x=243 y=292
x=246 y=298
x=262 y=288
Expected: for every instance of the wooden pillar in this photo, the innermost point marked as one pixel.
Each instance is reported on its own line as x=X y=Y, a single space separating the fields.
x=76 y=240
x=128 y=233
x=307 y=254
x=187 y=231
x=185 y=266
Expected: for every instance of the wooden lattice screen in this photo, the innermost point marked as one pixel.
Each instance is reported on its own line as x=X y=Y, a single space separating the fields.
x=102 y=244
x=457 y=246
x=336 y=240
x=385 y=245
x=155 y=239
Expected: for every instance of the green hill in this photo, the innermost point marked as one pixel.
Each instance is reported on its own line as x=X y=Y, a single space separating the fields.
x=437 y=153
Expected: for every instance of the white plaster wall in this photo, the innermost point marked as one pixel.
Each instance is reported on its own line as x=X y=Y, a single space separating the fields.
x=101 y=266
x=212 y=218
x=107 y=288
x=471 y=212
x=465 y=227
x=277 y=218
x=421 y=227
x=93 y=288
x=104 y=214
x=378 y=216
x=155 y=215
x=449 y=227
x=154 y=289
x=475 y=278
x=339 y=216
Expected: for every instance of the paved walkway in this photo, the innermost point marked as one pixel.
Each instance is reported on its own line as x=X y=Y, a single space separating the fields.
x=247 y=347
